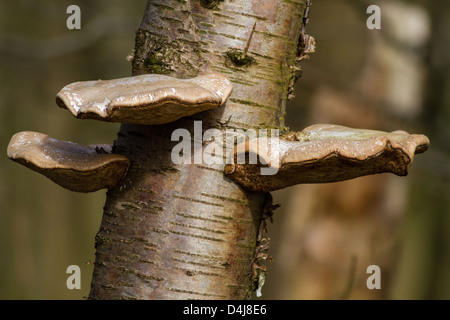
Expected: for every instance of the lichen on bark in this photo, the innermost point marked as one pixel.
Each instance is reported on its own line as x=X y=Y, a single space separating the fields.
x=156 y=54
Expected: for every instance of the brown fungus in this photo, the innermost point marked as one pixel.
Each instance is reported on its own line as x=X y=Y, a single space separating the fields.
x=323 y=153
x=72 y=166
x=145 y=99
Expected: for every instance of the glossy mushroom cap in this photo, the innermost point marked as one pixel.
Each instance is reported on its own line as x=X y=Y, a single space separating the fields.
x=325 y=153
x=146 y=99
x=72 y=166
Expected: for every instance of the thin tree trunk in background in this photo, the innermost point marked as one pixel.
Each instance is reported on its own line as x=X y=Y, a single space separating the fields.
x=186 y=231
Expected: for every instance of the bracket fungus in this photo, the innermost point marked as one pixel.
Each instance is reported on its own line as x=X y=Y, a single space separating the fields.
x=324 y=153
x=147 y=99
x=72 y=166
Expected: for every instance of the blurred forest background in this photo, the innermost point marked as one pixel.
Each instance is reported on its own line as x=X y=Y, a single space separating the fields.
x=323 y=236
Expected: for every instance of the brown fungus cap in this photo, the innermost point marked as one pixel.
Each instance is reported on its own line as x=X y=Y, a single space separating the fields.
x=325 y=153
x=72 y=166
x=146 y=99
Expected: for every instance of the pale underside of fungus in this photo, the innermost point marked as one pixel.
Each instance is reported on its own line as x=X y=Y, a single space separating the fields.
x=324 y=153
x=146 y=99
x=75 y=167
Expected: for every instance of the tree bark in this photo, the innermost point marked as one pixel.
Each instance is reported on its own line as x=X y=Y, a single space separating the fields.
x=186 y=231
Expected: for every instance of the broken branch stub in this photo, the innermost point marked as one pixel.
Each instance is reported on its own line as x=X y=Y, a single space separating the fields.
x=324 y=153
x=72 y=166
x=147 y=99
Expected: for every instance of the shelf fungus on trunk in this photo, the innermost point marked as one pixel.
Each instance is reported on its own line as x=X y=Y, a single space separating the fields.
x=145 y=99
x=322 y=153
x=75 y=167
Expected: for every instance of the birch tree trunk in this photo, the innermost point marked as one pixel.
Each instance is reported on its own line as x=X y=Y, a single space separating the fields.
x=186 y=231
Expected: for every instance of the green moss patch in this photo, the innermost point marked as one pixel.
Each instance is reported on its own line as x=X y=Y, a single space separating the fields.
x=240 y=58
x=210 y=4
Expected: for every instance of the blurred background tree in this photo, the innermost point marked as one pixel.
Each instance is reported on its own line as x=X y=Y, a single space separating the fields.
x=323 y=236
x=45 y=228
